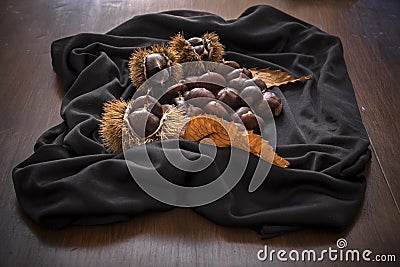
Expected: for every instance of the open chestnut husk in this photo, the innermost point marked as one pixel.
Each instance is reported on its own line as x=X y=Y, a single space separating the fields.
x=145 y=62
x=143 y=122
x=205 y=48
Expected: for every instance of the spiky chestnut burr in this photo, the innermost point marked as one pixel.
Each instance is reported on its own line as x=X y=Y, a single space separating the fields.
x=111 y=122
x=145 y=62
x=205 y=48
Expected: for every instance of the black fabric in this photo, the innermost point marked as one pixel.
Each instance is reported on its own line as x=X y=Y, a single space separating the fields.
x=71 y=179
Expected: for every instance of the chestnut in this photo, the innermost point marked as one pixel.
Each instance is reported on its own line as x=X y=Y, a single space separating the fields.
x=272 y=101
x=200 y=46
x=239 y=72
x=161 y=77
x=143 y=122
x=199 y=49
x=251 y=95
x=191 y=79
x=247 y=72
x=255 y=81
x=191 y=82
x=242 y=110
x=215 y=108
x=252 y=122
x=153 y=63
x=232 y=64
x=230 y=97
x=180 y=100
x=238 y=83
x=198 y=92
x=222 y=69
x=167 y=107
x=234 y=74
x=212 y=81
x=147 y=101
x=205 y=55
x=195 y=41
x=173 y=92
x=193 y=111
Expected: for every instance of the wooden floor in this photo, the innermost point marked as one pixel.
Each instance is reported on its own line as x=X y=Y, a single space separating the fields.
x=30 y=97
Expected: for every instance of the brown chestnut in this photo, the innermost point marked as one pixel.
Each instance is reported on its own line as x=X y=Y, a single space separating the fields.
x=199 y=49
x=167 y=107
x=232 y=64
x=212 y=81
x=230 y=97
x=173 y=92
x=234 y=74
x=194 y=41
x=215 y=108
x=272 y=101
x=256 y=81
x=153 y=63
x=252 y=122
x=191 y=79
x=239 y=112
x=238 y=83
x=239 y=72
x=180 y=100
x=242 y=110
x=198 y=92
x=143 y=122
x=193 y=111
x=247 y=72
x=251 y=95
x=148 y=102
x=200 y=46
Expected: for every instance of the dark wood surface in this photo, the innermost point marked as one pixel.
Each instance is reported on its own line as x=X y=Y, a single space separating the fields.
x=30 y=97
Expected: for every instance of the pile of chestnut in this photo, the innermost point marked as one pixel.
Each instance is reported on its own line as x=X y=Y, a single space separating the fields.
x=226 y=94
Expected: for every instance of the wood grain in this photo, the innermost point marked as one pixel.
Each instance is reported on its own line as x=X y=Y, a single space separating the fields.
x=30 y=98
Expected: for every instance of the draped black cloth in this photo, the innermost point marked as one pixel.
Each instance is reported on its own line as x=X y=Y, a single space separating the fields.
x=72 y=180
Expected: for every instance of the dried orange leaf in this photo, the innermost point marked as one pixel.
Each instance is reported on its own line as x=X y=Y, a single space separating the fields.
x=276 y=77
x=212 y=130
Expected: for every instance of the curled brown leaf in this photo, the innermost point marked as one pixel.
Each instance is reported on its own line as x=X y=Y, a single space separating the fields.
x=216 y=131
x=277 y=77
